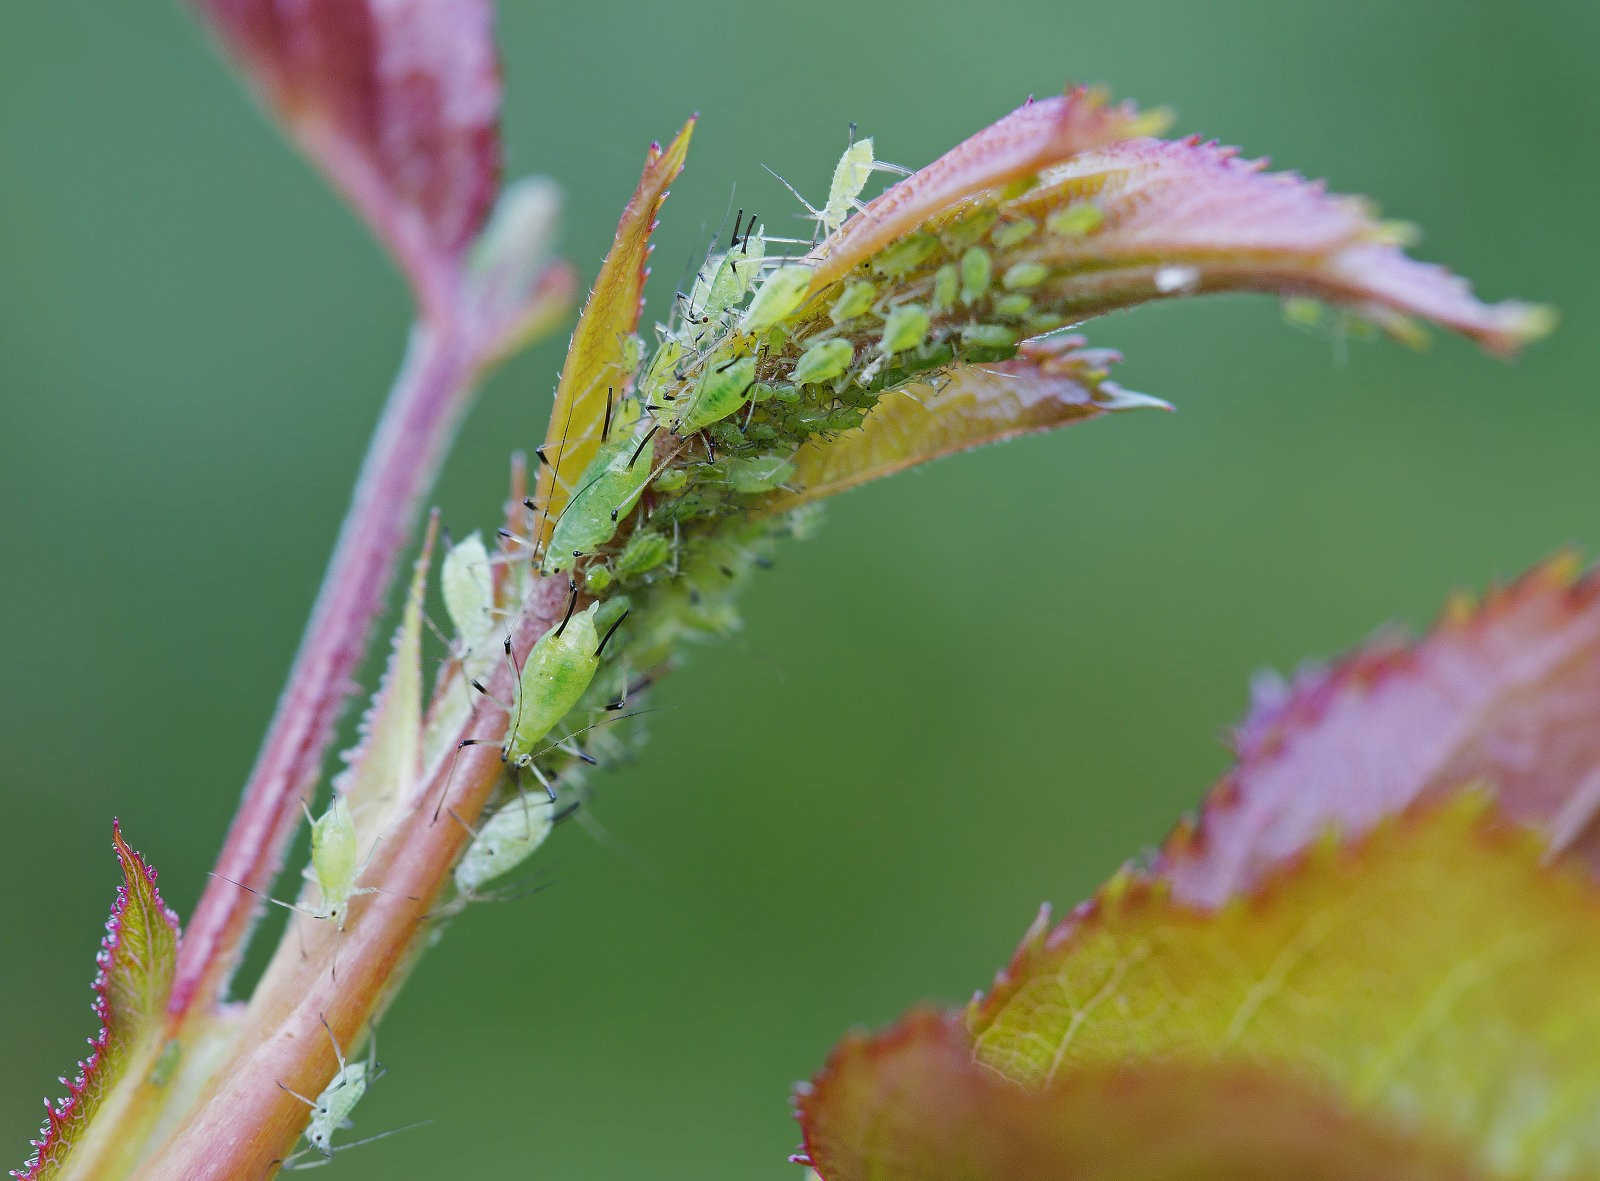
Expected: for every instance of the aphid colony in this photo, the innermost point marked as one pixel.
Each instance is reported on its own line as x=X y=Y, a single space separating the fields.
x=755 y=361
x=665 y=522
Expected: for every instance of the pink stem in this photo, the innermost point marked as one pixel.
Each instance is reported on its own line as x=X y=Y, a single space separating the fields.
x=424 y=407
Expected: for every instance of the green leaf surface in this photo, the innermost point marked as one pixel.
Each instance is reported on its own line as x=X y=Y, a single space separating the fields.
x=135 y=962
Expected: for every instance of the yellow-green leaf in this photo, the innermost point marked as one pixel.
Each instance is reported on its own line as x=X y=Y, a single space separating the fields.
x=1437 y=974
x=597 y=357
x=913 y=1105
x=1053 y=382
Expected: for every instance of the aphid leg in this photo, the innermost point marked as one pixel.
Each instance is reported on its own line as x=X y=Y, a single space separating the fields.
x=483 y=690
x=444 y=792
x=291 y=1163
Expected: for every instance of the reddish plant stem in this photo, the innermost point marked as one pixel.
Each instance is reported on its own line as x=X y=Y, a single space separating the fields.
x=245 y=1122
x=428 y=398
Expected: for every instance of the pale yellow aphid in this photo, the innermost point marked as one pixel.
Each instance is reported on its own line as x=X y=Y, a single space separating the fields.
x=335 y=865
x=850 y=176
x=467 y=583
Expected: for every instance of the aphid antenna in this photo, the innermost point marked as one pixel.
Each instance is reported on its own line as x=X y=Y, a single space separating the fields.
x=269 y=898
x=605 y=429
x=291 y=1163
x=794 y=192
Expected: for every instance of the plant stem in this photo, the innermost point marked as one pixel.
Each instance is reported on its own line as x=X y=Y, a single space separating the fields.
x=245 y=1122
x=427 y=401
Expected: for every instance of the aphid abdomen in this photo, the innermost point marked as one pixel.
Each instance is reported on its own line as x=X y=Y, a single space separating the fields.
x=556 y=674
x=610 y=488
x=723 y=389
x=505 y=841
x=334 y=1106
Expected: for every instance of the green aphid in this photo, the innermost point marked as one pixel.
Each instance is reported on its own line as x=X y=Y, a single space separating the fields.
x=761 y=433
x=671 y=480
x=645 y=550
x=504 y=841
x=467 y=582
x=906 y=255
x=335 y=862
x=844 y=418
x=946 y=286
x=961 y=234
x=1022 y=275
x=823 y=361
x=777 y=297
x=631 y=355
x=554 y=677
x=1013 y=233
x=607 y=492
x=597 y=579
x=977 y=272
x=855 y=300
x=331 y=1110
x=758 y=474
x=1076 y=220
x=661 y=373
x=989 y=336
x=906 y=328
x=726 y=278
x=723 y=388
x=1015 y=305
x=929 y=357
x=690 y=507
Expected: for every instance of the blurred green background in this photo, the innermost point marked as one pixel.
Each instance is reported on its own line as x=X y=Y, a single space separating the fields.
x=983 y=685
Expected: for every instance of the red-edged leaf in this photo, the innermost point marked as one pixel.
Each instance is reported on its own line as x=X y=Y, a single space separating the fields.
x=1026 y=141
x=1167 y=218
x=398 y=101
x=597 y=357
x=1435 y=978
x=1053 y=382
x=135 y=963
x=912 y=1104
x=1506 y=693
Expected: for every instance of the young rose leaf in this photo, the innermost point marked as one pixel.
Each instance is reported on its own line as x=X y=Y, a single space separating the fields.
x=1438 y=973
x=1030 y=139
x=387 y=760
x=399 y=104
x=912 y=1104
x=1052 y=382
x=1505 y=693
x=135 y=965
x=515 y=290
x=1145 y=219
x=601 y=358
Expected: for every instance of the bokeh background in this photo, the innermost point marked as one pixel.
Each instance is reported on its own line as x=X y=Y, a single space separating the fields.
x=982 y=686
